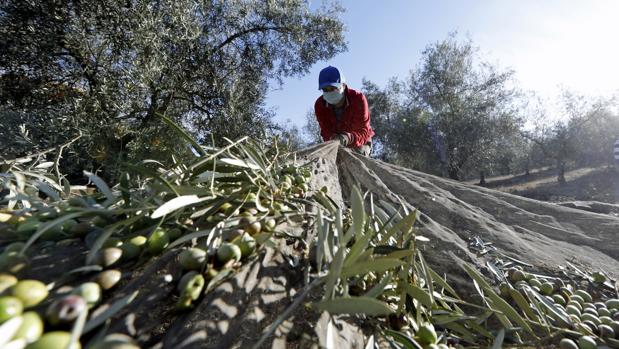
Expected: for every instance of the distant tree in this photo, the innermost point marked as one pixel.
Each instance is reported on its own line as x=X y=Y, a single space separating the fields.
x=583 y=132
x=109 y=67
x=311 y=129
x=471 y=103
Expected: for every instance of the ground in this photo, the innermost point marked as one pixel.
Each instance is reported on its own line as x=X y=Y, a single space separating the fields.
x=582 y=184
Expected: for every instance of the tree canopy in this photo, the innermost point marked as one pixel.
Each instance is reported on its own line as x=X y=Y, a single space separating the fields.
x=108 y=68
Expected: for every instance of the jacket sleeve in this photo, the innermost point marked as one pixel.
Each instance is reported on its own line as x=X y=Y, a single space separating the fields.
x=361 y=132
x=321 y=116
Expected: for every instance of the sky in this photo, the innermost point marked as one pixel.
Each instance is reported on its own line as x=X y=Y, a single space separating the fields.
x=548 y=43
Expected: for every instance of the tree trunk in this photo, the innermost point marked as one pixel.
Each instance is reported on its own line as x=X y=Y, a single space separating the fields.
x=561 y=173
x=482 y=178
x=453 y=172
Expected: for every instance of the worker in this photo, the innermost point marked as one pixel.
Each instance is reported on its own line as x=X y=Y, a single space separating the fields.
x=343 y=113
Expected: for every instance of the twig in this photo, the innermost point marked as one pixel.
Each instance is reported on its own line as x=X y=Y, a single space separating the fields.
x=42 y=152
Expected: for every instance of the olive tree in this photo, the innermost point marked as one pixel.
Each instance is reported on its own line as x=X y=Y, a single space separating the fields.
x=112 y=66
x=470 y=102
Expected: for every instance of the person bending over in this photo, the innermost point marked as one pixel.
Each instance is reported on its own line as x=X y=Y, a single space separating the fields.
x=343 y=113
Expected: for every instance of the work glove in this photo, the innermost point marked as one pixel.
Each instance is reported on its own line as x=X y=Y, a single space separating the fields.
x=341 y=138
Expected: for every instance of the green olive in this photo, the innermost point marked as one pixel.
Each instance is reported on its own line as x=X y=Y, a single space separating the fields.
x=426 y=334
x=56 y=339
x=138 y=240
x=584 y=294
x=228 y=251
x=587 y=342
x=6 y=281
x=29 y=226
x=246 y=243
x=31 y=327
x=193 y=258
x=14 y=247
x=157 y=241
x=13 y=262
x=10 y=307
x=30 y=292
x=270 y=224
x=577 y=298
x=253 y=228
x=90 y=291
x=191 y=288
x=130 y=251
x=108 y=256
x=81 y=229
x=567 y=343
x=112 y=242
x=116 y=341
x=108 y=278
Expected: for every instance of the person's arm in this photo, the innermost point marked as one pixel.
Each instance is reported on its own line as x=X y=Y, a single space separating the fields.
x=361 y=131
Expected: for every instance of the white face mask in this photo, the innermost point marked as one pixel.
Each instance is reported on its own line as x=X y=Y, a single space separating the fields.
x=334 y=97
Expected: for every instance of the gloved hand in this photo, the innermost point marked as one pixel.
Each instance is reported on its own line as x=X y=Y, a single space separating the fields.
x=342 y=138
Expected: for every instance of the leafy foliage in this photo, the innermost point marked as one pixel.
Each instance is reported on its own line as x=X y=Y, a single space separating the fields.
x=109 y=68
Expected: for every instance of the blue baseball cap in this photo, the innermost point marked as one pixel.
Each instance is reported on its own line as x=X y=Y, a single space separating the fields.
x=330 y=76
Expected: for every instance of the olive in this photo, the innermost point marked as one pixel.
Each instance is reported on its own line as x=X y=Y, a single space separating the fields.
x=191 y=289
x=185 y=280
x=606 y=320
x=517 y=275
x=81 y=229
x=174 y=234
x=56 y=339
x=65 y=309
x=535 y=283
x=130 y=251
x=229 y=235
x=6 y=281
x=584 y=294
x=68 y=225
x=30 y=292
x=29 y=226
x=14 y=247
x=228 y=251
x=426 y=334
x=606 y=331
x=246 y=243
x=547 y=288
x=138 y=240
x=269 y=224
x=590 y=311
x=253 y=228
x=90 y=291
x=587 y=342
x=157 y=241
x=193 y=258
x=590 y=317
x=116 y=341
x=577 y=298
x=108 y=256
x=557 y=298
x=603 y=312
x=108 y=278
x=112 y=242
x=31 y=327
x=13 y=262
x=567 y=343
x=10 y=307
x=571 y=309
x=598 y=277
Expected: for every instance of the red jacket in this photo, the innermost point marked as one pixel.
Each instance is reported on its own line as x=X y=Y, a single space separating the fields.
x=355 y=121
